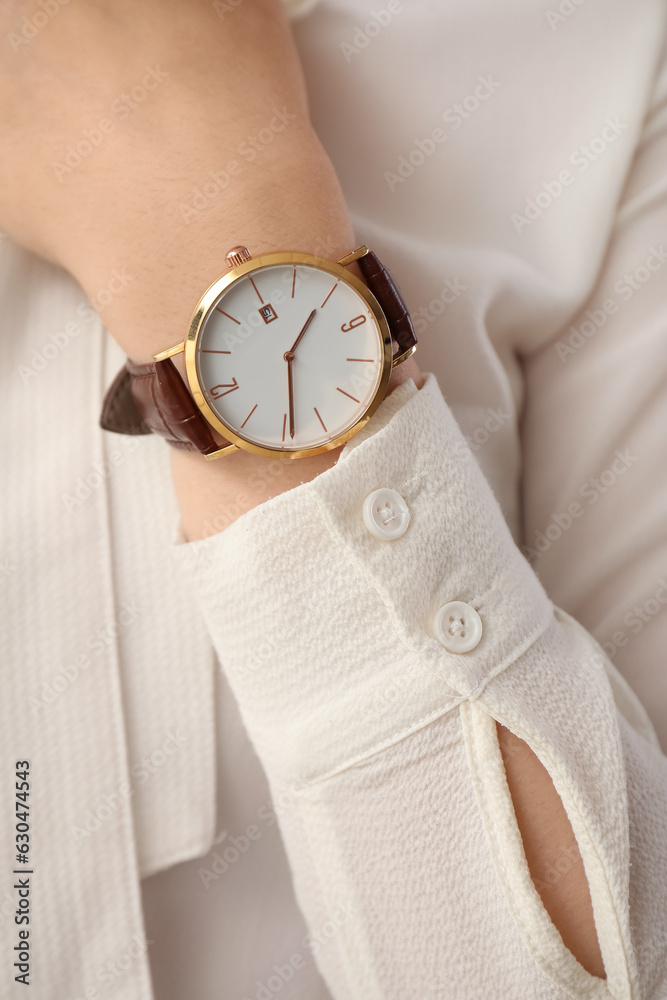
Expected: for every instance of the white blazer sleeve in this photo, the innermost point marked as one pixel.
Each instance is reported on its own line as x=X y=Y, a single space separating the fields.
x=378 y=736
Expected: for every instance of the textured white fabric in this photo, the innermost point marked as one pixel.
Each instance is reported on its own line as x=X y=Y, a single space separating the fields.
x=346 y=618
x=499 y=313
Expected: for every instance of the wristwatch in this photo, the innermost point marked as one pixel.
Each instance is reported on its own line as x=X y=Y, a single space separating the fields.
x=287 y=354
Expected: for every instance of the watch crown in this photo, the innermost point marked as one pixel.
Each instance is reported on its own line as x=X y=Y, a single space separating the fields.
x=237 y=255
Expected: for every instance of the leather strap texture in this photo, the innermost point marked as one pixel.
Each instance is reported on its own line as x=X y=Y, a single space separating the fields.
x=153 y=399
x=386 y=291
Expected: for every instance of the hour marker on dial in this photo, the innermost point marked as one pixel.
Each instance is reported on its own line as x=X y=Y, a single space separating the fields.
x=207 y=350
x=347 y=394
x=249 y=415
x=228 y=316
x=372 y=360
x=293 y=280
x=284 y=425
x=319 y=418
x=357 y=321
x=256 y=289
x=328 y=296
x=229 y=387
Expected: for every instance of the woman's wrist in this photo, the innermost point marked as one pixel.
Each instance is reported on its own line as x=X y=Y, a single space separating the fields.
x=294 y=202
x=148 y=215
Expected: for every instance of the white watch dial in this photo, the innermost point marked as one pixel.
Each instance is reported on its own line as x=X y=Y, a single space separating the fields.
x=290 y=357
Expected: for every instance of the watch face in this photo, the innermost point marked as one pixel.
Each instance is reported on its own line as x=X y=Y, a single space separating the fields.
x=289 y=357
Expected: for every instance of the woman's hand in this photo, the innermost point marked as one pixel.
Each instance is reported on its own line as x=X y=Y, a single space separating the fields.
x=144 y=140
x=147 y=139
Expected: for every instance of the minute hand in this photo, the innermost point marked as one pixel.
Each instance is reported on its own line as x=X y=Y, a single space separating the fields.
x=289 y=358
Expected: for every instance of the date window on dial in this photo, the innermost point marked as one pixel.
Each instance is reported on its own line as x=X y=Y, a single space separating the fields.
x=268 y=313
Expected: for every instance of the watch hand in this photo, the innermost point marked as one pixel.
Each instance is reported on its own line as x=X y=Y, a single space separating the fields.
x=289 y=358
x=290 y=393
x=305 y=327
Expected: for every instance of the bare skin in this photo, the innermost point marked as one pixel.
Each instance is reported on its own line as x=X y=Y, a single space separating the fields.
x=548 y=839
x=180 y=93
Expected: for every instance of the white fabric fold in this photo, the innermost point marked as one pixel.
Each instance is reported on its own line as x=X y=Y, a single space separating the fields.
x=325 y=634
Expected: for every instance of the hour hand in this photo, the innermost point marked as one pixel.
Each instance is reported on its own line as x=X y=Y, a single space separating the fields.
x=298 y=339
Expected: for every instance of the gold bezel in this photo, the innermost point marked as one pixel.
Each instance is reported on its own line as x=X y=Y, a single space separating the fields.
x=206 y=304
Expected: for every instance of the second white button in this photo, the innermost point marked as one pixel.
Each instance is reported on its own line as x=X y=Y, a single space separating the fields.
x=457 y=626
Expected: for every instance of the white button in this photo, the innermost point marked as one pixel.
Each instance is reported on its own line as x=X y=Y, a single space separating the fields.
x=458 y=627
x=386 y=514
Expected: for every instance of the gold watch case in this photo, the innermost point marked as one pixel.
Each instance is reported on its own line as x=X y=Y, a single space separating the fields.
x=207 y=303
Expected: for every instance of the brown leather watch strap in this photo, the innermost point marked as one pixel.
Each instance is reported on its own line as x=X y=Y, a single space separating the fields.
x=152 y=398
x=388 y=294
